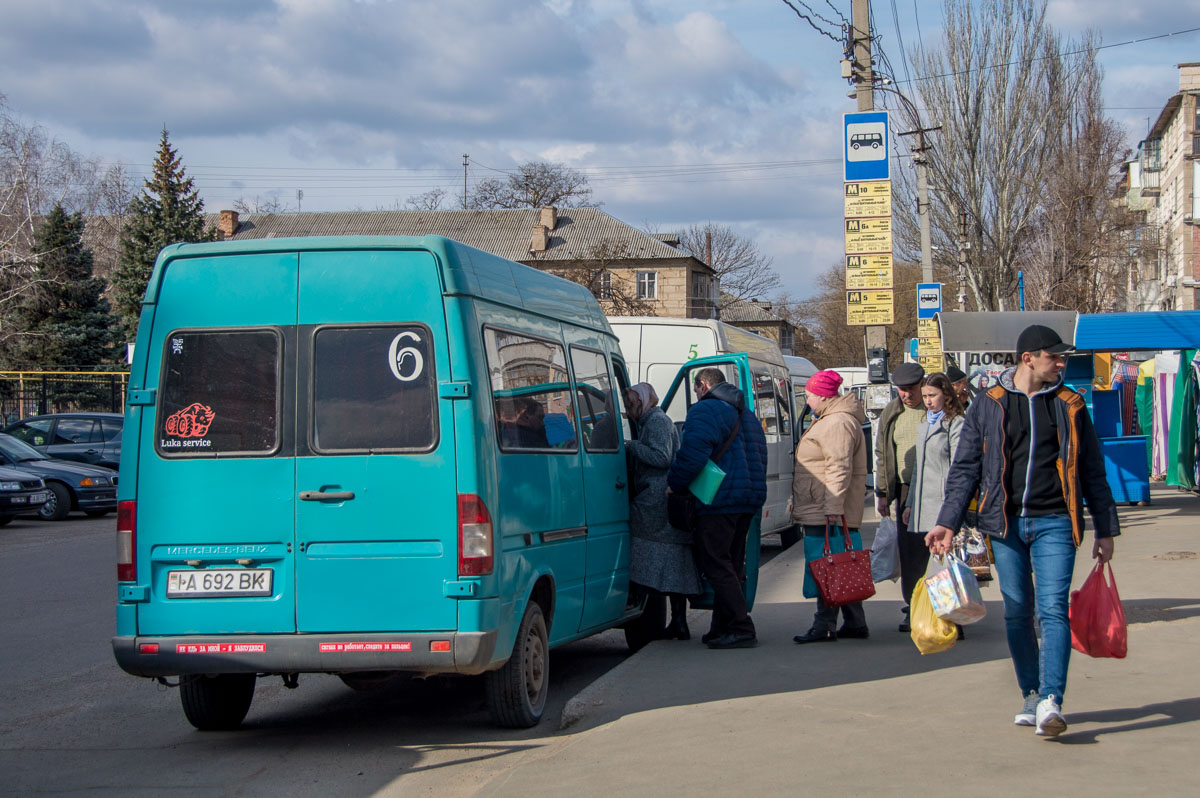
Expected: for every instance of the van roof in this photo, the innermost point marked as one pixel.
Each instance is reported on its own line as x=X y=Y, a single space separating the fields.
x=731 y=338
x=464 y=271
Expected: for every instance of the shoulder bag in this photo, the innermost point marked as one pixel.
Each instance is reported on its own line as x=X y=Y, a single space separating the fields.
x=681 y=507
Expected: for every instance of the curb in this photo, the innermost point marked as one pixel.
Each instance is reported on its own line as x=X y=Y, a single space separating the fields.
x=593 y=695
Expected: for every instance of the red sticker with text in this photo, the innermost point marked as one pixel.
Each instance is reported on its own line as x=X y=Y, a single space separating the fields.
x=366 y=647
x=191 y=422
x=220 y=648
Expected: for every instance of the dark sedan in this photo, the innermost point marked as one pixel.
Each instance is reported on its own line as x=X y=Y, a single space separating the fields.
x=84 y=437
x=69 y=485
x=20 y=494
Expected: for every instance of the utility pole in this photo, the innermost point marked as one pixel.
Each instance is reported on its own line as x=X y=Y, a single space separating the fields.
x=875 y=337
x=922 y=163
x=963 y=246
x=466 y=160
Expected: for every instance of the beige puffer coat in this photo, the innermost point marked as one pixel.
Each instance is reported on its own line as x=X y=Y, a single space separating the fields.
x=831 y=465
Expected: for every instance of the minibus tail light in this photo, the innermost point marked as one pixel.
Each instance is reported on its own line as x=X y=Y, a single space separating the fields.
x=126 y=541
x=475 y=550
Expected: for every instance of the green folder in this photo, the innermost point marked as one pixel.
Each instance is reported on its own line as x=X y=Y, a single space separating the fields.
x=706 y=484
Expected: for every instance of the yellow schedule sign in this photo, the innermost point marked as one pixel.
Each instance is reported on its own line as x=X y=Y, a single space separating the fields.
x=868 y=272
x=927 y=328
x=932 y=363
x=868 y=307
x=868 y=235
x=870 y=198
x=929 y=346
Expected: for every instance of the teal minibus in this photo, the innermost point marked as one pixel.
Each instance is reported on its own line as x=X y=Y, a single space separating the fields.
x=369 y=455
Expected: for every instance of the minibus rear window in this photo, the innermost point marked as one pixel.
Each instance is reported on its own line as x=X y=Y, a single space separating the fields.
x=220 y=393
x=373 y=389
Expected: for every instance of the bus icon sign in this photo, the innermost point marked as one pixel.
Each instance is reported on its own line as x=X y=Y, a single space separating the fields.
x=865 y=146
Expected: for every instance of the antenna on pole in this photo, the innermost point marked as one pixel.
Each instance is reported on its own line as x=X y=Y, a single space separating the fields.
x=466 y=160
x=299 y=196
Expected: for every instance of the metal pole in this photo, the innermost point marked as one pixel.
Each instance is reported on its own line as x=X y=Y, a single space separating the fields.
x=1021 y=287
x=466 y=160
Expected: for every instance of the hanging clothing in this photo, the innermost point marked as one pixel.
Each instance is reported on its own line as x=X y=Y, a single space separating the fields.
x=1181 y=465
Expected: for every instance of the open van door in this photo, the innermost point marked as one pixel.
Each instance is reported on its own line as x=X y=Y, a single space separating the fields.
x=679 y=399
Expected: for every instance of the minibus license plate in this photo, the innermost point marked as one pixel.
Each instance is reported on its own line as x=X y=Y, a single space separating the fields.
x=224 y=582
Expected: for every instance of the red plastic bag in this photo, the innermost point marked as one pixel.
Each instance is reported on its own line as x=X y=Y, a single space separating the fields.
x=1097 y=618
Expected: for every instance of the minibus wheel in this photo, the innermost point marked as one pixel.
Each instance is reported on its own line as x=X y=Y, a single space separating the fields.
x=789 y=537
x=216 y=703
x=516 y=693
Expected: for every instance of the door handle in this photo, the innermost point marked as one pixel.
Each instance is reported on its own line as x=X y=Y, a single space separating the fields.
x=92 y=451
x=323 y=496
x=620 y=484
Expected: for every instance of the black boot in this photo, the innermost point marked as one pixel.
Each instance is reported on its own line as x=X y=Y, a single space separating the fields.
x=677 y=629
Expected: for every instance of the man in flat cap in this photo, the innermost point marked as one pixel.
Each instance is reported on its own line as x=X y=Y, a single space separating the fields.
x=895 y=456
x=1029 y=450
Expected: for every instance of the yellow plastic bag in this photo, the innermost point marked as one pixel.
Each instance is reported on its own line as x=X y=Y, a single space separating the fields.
x=929 y=632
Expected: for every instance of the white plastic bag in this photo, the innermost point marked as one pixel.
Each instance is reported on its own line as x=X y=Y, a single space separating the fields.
x=954 y=592
x=885 y=552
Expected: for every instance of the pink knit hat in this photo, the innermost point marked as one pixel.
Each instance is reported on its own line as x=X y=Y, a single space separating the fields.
x=824 y=383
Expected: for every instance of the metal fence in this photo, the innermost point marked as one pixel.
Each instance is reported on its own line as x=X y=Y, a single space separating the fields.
x=33 y=393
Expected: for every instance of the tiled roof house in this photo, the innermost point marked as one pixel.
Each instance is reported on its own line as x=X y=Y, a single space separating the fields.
x=669 y=281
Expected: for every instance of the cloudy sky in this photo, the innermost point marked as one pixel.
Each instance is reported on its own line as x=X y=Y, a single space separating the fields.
x=721 y=110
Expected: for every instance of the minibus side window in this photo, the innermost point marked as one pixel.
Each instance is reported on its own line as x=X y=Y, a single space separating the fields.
x=764 y=405
x=220 y=393
x=783 y=397
x=598 y=414
x=531 y=393
x=373 y=389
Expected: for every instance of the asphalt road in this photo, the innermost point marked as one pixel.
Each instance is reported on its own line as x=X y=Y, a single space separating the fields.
x=73 y=723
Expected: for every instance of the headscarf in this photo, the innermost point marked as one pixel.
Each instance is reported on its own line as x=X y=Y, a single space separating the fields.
x=645 y=392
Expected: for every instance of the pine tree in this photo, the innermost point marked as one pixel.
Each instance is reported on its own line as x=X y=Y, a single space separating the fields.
x=168 y=211
x=66 y=319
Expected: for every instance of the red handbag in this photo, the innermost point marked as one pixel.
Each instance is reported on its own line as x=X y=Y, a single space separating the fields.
x=1097 y=618
x=844 y=577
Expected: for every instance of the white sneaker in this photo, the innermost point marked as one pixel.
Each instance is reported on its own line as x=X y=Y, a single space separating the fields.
x=1050 y=721
x=1028 y=714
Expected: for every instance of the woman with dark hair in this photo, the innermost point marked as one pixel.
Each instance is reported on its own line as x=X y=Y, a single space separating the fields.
x=937 y=441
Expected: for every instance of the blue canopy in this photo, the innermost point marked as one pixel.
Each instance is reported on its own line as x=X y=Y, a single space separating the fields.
x=1147 y=331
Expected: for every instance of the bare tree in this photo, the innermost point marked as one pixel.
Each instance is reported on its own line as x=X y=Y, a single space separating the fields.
x=741 y=267
x=431 y=200
x=1078 y=248
x=614 y=288
x=533 y=185
x=37 y=172
x=260 y=204
x=827 y=339
x=1002 y=88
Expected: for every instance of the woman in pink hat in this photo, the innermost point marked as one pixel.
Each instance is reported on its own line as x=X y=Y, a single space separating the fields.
x=828 y=488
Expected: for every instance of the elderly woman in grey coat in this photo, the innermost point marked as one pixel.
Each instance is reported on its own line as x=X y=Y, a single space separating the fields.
x=660 y=556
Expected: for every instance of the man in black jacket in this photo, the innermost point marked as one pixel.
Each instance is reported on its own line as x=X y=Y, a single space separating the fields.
x=1029 y=449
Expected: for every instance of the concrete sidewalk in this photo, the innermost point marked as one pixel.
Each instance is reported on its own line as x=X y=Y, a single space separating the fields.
x=874 y=717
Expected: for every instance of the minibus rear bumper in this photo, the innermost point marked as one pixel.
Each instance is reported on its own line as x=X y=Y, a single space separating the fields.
x=427 y=652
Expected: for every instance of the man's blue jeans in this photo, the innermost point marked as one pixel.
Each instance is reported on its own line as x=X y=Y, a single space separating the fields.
x=1037 y=549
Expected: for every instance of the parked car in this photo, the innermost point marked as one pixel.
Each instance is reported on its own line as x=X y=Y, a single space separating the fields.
x=70 y=485
x=84 y=437
x=20 y=494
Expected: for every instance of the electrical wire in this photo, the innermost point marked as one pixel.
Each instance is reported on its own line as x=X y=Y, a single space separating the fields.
x=810 y=22
x=1027 y=61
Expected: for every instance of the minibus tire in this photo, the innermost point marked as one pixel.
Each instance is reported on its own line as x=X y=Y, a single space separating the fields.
x=516 y=693
x=789 y=537
x=647 y=627
x=217 y=703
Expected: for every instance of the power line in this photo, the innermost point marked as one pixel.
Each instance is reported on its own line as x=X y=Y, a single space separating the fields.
x=810 y=22
x=1027 y=61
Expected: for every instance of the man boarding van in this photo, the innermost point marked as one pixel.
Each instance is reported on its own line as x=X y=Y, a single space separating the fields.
x=367 y=455
x=655 y=349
